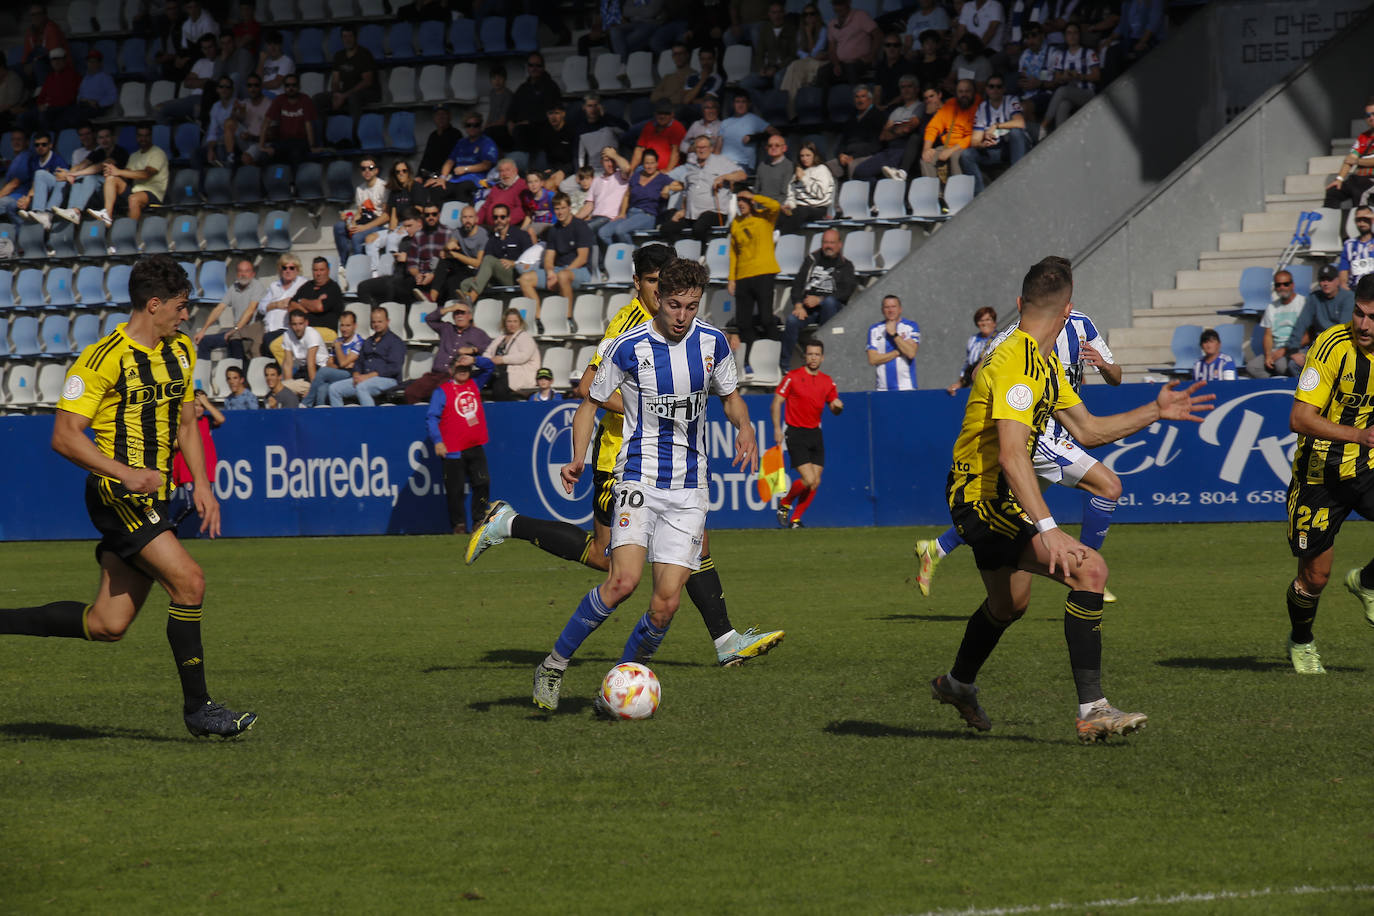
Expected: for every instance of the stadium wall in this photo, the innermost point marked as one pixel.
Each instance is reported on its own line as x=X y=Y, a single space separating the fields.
x=284 y=473
x=1071 y=194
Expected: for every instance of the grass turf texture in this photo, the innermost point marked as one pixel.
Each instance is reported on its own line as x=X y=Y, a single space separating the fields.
x=398 y=763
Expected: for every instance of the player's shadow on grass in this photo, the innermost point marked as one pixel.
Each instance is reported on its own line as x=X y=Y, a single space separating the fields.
x=528 y=658
x=58 y=731
x=935 y=618
x=565 y=705
x=1240 y=663
x=860 y=729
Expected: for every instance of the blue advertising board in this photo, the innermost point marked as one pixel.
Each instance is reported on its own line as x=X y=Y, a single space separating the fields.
x=372 y=471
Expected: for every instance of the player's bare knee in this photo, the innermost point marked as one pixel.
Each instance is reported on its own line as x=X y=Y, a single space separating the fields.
x=1112 y=488
x=662 y=609
x=1312 y=581
x=1091 y=574
x=104 y=626
x=618 y=587
x=188 y=586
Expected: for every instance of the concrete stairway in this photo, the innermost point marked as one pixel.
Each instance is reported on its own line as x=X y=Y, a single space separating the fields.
x=1199 y=293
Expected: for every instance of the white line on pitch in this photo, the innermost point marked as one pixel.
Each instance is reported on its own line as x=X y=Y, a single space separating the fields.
x=1123 y=902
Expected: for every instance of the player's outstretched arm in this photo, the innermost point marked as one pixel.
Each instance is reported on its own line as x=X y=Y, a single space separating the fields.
x=1013 y=454
x=193 y=450
x=1306 y=420
x=746 y=444
x=583 y=425
x=1170 y=404
x=615 y=403
x=69 y=440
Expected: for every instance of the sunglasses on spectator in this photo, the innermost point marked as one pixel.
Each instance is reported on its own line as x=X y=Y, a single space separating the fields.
x=431 y=213
x=41 y=144
x=473 y=124
x=288 y=267
x=368 y=167
x=226 y=85
x=1369 y=114
x=499 y=217
x=1280 y=284
x=401 y=169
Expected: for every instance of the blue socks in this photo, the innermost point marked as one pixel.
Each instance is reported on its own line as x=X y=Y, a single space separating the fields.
x=1097 y=518
x=644 y=641
x=948 y=541
x=591 y=613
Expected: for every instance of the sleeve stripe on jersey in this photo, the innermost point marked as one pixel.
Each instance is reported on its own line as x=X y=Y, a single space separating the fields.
x=1330 y=343
x=101 y=350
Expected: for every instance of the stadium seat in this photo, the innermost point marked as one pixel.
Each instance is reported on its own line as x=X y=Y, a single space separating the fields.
x=90 y=286
x=889 y=199
x=276 y=183
x=4 y=338
x=277 y=225
x=923 y=199
x=67 y=142
x=22 y=382
x=462 y=83
x=162 y=137
x=763 y=359
x=24 y=341
x=581 y=360
x=718 y=259
x=839 y=103
x=33 y=244
x=418 y=332
x=28 y=289
x=1256 y=288
x=619 y=264
x=639 y=71
x=587 y=312
x=606 y=74
x=80 y=17
x=311 y=10
x=640 y=109
x=400 y=84
x=486 y=314
x=688 y=248
x=372 y=133
x=7 y=300
x=185 y=239
x=852 y=204
x=737 y=62
x=358 y=269
x=61 y=288
x=575 y=75
x=214 y=231
x=219 y=187
x=1232 y=341
x=396 y=316
x=400 y=130
x=62 y=240
x=186 y=141
x=257 y=376
x=310 y=182
x=1302 y=277
x=492 y=33
x=524 y=34
x=212 y=279
x=309 y=48
x=419 y=362
x=772 y=106
x=220 y=381
x=248 y=186
x=153 y=234
x=9 y=232
x=160 y=92
x=450 y=214
x=90 y=239
x=894 y=245
x=200 y=375
x=432 y=82
x=246 y=236
x=858 y=248
x=312 y=82
x=338 y=181
x=790 y=250
x=958 y=192
x=55 y=343
x=559 y=361
x=1185 y=348
x=809 y=103
x=430 y=43
x=338 y=131
x=373 y=37
x=553 y=311
x=400 y=43
x=133 y=100
x=85 y=331
x=51 y=378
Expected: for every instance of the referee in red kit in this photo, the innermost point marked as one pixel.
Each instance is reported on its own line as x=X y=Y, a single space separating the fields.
x=805 y=391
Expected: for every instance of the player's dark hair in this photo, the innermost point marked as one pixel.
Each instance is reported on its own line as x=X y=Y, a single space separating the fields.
x=652 y=257
x=1058 y=261
x=156 y=277
x=1044 y=282
x=1207 y=335
x=1364 y=290
x=813 y=342
x=987 y=310
x=681 y=274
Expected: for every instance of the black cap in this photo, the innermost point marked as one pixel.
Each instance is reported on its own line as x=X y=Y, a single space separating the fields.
x=1328 y=272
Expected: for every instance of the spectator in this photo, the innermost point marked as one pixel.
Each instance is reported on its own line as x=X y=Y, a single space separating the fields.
x=83 y=181
x=241 y=300
x=969 y=64
x=499 y=100
x=1139 y=29
x=889 y=70
x=745 y=18
x=578 y=186
x=188 y=104
x=1035 y=73
x=41 y=39
x=706 y=188
x=463 y=254
x=567 y=268
x=164 y=34
x=706 y=81
x=852 y=45
x=218 y=146
x=231 y=61
x=395 y=283
x=1214 y=364
x=208 y=416
x=243 y=132
x=240 y=398
x=457 y=426
x=275 y=304
x=532 y=101
x=458 y=337
x=543 y=379
x=353 y=79
x=32 y=195
x=440 y=143
x=904 y=122
x=609 y=192
x=304 y=354
x=97 y=93
x=999 y=134
x=978 y=345
x=1329 y=304
x=1360 y=160
x=424 y=250
x=639 y=19
x=321 y=299
x=279 y=394
x=1056 y=17
x=468 y=162
x=377 y=368
x=596 y=130
x=273 y=64
x=662 y=135
x=55 y=104
x=672 y=87
x=641 y=205
x=753 y=270
x=708 y=126
x=775 y=47
x=343 y=353
x=859 y=134
x=932 y=62
x=821 y=288
x=1284 y=308
x=13 y=95
x=247 y=31
x=538 y=203
x=892 y=345
x=739 y=132
x=86 y=144
x=141 y=184
x=812 y=39
x=950 y=132
x=289 y=135
x=506 y=244
x=514 y=360
x=982 y=19
x=198 y=23
x=369 y=214
x=404 y=192
x=811 y=191
x=557 y=146
x=1357 y=254
x=508 y=191
x=774 y=174
x=928 y=16
x=1076 y=76
x=705 y=23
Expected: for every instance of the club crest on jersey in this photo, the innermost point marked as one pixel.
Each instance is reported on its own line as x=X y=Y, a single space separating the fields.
x=710 y=363
x=181 y=358
x=624 y=520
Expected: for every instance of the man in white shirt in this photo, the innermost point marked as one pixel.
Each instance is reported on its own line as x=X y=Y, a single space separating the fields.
x=984 y=18
x=368 y=215
x=999 y=133
x=1284 y=308
x=276 y=302
x=202 y=71
x=304 y=353
x=198 y=22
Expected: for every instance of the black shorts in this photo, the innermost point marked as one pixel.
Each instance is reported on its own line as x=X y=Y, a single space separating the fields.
x=1317 y=510
x=603 y=496
x=127 y=522
x=805 y=446
x=998 y=531
x=123 y=197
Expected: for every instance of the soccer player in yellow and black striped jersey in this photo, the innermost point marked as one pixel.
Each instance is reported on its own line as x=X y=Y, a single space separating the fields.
x=996 y=503
x=1333 y=468
x=589 y=548
x=129 y=389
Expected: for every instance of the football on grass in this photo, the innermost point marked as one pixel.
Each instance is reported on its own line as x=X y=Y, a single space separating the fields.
x=630 y=691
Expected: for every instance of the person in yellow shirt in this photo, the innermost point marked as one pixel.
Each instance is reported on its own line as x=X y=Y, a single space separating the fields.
x=996 y=504
x=753 y=269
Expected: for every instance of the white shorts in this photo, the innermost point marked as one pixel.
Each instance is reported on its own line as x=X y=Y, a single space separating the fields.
x=669 y=523
x=1061 y=461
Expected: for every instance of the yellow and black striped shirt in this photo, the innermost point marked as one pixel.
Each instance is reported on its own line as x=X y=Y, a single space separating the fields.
x=1015 y=382
x=133 y=395
x=1336 y=380
x=612 y=429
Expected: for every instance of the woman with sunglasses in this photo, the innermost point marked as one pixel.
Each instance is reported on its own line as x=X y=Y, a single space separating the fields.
x=404 y=192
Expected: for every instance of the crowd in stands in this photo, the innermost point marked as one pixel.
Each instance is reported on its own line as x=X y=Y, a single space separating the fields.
x=765 y=138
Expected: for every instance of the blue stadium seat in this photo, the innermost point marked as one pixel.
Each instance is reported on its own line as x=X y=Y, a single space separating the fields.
x=183 y=191
x=839 y=103
x=338 y=131
x=189 y=268
x=309 y=49
x=28 y=288
x=772 y=106
x=133 y=59
x=128 y=137
x=276 y=181
x=1232 y=340
x=214 y=285
x=333 y=42
x=641 y=109
x=1185 y=348
x=524 y=34
x=400 y=43
x=809 y=103
x=371 y=136
x=60 y=288
x=462 y=38
x=278 y=226
x=90 y=239
x=1256 y=288
x=219 y=187
x=401 y=131
x=67 y=142
x=54 y=333
x=162 y=138
x=33 y=243
x=184 y=236
x=155 y=234
x=492 y=32
x=62 y=239
x=431 y=42
x=124 y=238
x=246 y=231
x=339 y=181
x=24 y=336
x=112 y=321
x=310 y=182
x=214 y=231
x=85 y=331
x=117 y=282
x=187 y=141
x=6 y=290
x=109 y=54
x=373 y=37
x=248 y=185
x=4 y=338
x=90 y=286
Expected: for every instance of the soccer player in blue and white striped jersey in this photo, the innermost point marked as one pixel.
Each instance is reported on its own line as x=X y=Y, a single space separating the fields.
x=665 y=371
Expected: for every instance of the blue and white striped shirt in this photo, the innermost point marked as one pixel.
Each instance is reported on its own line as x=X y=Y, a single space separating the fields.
x=665 y=387
x=1068 y=346
x=896 y=374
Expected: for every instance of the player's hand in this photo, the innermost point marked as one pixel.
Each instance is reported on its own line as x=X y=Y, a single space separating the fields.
x=746 y=451
x=1183 y=405
x=1065 y=554
x=207 y=507
x=570 y=474
x=142 y=480
x=1089 y=355
x=953 y=389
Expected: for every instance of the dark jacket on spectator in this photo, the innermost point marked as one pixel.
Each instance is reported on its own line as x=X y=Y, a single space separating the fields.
x=385 y=356
x=824 y=276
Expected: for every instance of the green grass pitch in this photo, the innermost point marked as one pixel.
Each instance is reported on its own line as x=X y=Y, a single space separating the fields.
x=398 y=766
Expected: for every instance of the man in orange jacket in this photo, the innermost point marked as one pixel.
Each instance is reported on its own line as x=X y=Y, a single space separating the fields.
x=950 y=132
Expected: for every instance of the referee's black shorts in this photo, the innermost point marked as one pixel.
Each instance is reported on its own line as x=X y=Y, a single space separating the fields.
x=127 y=522
x=805 y=446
